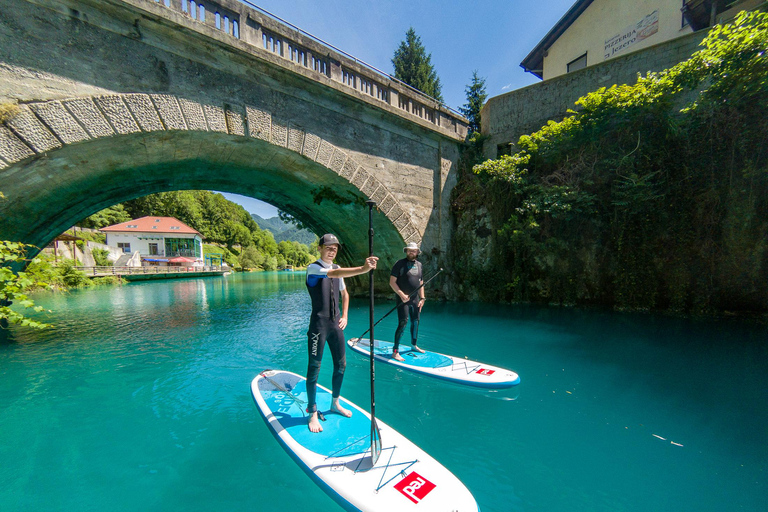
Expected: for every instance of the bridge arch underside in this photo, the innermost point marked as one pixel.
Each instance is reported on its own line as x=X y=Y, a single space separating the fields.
x=49 y=192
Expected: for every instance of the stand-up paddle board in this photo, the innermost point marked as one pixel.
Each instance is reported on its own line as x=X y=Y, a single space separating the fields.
x=338 y=459
x=441 y=366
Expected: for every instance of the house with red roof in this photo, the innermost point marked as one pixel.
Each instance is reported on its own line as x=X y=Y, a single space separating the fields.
x=158 y=240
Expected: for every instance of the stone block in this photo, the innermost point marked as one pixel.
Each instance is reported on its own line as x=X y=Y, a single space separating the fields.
x=60 y=121
x=32 y=131
x=170 y=111
x=410 y=233
x=401 y=222
x=387 y=204
x=11 y=148
x=193 y=115
x=360 y=178
x=324 y=153
x=259 y=123
x=279 y=132
x=89 y=115
x=217 y=121
x=395 y=213
x=235 y=123
x=144 y=112
x=370 y=187
x=117 y=113
x=337 y=161
x=349 y=169
x=380 y=194
x=311 y=145
x=295 y=139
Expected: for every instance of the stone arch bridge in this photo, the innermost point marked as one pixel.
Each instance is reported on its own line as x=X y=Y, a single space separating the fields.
x=102 y=101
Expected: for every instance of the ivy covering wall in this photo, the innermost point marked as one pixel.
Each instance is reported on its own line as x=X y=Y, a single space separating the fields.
x=648 y=196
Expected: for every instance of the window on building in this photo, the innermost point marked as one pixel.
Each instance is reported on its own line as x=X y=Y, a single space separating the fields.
x=153 y=249
x=182 y=247
x=579 y=63
x=125 y=246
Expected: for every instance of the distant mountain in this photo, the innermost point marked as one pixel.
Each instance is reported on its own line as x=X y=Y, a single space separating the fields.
x=284 y=231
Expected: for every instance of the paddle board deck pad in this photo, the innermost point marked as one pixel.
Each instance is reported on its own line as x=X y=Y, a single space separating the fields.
x=441 y=366
x=338 y=459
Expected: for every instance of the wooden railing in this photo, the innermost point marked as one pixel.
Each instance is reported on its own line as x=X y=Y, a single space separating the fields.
x=101 y=271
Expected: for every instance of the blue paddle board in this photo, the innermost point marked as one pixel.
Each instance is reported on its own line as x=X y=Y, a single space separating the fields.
x=441 y=366
x=339 y=460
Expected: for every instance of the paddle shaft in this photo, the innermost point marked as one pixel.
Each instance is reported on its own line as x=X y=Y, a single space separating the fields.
x=375 y=435
x=371 y=204
x=393 y=309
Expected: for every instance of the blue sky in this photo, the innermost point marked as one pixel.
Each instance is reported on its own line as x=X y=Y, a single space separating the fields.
x=490 y=36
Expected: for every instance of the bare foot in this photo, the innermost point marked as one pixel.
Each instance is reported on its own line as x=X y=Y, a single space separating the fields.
x=397 y=357
x=335 y=407
x=314 y=423
x=417 y=349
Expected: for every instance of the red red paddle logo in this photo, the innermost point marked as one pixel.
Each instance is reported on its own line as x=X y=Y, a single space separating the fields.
x=485 y=371
x=415 y=487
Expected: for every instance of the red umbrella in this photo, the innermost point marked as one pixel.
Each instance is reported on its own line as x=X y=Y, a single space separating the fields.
x=180 y=259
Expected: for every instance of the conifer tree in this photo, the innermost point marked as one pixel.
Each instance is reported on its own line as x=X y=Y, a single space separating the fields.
x=476 y=96
x=414 y=66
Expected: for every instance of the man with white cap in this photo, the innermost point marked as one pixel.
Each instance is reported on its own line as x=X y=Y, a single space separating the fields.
x=325 y=281
x=405 y=278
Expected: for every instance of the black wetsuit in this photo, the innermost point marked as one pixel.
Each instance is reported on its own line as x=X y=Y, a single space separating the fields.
x=408 y=275
x=324 y=326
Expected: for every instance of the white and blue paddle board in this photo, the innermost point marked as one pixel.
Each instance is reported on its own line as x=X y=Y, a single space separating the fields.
x=441 y=366
x=338 y=459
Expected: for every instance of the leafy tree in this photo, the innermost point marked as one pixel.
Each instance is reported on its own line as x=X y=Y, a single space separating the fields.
x=270 y=263
x=414 y=66
x=106 y=217
x=252 y=258
x=13 y=287
x=476 y=97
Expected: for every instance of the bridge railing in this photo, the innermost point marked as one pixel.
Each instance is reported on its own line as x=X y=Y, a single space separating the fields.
x=119 y=271
x=269 y=33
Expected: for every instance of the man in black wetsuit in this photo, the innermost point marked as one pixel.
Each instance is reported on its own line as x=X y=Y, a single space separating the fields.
x=325 y=281
x=405 y=277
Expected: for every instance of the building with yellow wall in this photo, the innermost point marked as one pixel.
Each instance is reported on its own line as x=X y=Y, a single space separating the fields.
x=593 y=31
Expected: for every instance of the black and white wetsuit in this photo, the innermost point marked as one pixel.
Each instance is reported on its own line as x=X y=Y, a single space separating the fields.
x=324 y=326
x=408 y=275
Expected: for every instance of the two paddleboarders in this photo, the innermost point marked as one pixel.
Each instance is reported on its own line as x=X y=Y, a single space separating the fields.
x=325 y=282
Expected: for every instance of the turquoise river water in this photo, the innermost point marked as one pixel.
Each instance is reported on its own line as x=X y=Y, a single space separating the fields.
x=139 y=400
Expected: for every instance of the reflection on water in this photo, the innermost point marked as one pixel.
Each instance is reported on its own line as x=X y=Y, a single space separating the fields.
x=139 y=400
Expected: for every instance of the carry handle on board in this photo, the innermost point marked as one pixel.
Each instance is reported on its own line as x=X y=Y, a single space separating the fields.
x=375 y=434
x=370 y=329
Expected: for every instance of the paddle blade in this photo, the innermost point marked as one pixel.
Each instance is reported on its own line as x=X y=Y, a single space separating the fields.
x=375 y=442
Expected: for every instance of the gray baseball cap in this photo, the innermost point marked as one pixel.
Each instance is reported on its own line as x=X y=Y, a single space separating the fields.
x=328 y=239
